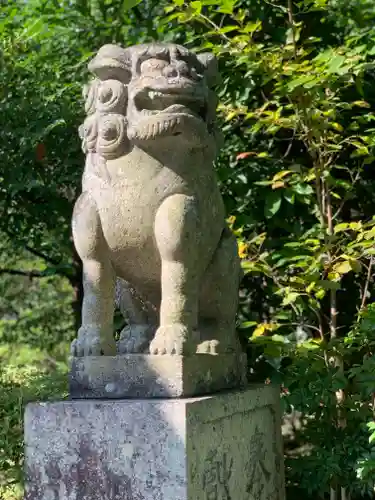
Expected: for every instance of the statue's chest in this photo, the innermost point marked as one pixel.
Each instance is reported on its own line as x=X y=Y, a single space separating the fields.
x=127 y=205
x=127 y=215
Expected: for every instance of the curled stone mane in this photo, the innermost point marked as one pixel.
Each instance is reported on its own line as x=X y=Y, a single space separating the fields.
x=105 y=129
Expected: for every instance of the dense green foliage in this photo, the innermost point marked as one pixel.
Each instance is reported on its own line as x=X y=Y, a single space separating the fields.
x=302 y=207
x=296 y=106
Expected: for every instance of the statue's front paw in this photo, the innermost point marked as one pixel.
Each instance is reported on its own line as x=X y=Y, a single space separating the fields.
x=81 y=346
x=173 y=339
x=219 y=346
x=209 y=347
x=89 y=342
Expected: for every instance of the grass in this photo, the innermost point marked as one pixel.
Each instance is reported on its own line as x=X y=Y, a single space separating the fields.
x=26 y=374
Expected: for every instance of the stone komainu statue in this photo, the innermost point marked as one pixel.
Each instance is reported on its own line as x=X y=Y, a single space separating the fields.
x=151 y=214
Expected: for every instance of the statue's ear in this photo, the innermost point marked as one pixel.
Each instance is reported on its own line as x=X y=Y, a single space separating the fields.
x=111 y=62
x=211 y=69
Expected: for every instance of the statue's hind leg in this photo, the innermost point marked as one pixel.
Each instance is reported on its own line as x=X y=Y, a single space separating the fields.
x=141 y=318
x=219 y=299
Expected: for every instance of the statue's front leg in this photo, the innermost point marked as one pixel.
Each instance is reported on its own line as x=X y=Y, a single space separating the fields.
x=95 y=336
x=176 y=238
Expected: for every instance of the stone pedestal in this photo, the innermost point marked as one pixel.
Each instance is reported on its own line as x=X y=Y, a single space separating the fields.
x=147 y=376
x=221 y=447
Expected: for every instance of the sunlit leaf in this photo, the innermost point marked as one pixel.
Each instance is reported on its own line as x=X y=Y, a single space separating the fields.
x=343 y=267
x=273 y=204
x=290 y=298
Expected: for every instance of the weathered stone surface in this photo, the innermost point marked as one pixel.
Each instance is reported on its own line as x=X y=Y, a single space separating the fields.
x=221 y=447
x=143 y=376
x=151 y=213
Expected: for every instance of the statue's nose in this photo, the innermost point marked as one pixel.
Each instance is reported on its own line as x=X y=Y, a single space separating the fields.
x=177 y=69
x=170 y=71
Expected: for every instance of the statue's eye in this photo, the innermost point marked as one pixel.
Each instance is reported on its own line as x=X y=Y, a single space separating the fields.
x=153 y=66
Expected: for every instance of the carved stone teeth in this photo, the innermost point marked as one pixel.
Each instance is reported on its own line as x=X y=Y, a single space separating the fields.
x=145 y=133
x=154 y=94
x=166 y=125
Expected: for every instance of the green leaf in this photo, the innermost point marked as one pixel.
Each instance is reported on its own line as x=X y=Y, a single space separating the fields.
x=34 y=28
x=129 y=4
x=197 y=6
x=228 y=29
x=289 y=36
x=362 y=151
x=344 y=226
x=339 y=382
x=303 y=189
x=342 y=267
x=301 y=81
x=57 y=123
x=361 y=104
x=289 y=196
x=328 y=285
x=248 y=324
x=280 y=175
x=337 y=126
x=252 y=27
x=290 y=298
x=280 y=339
x=355 y=265
x=335 y=63
x=272 y=350
x=273 y=204
x=310 y=345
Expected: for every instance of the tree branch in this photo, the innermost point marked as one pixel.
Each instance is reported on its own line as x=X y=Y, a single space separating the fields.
x=46 y=258
x=366 y=287
x=19 y=272
x=32 y=250
x=41 y=255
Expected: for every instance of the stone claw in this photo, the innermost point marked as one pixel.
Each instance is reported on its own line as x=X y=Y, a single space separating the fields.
x=216 y=346
x=74 y=348
x=208 y=347
x=89 y=343
x=172 y=339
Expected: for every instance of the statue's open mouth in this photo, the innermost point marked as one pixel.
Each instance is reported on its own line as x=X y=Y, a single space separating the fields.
x=151 y=102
